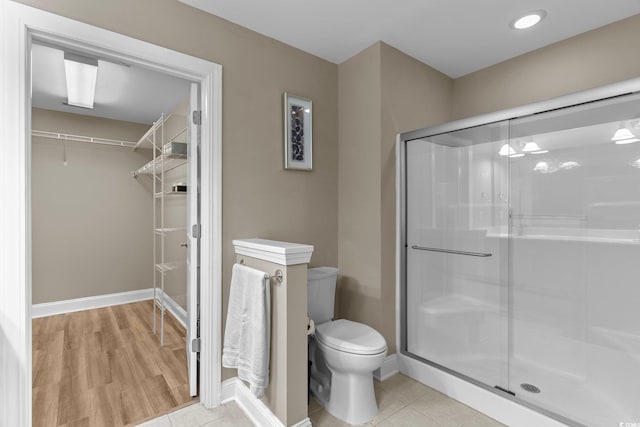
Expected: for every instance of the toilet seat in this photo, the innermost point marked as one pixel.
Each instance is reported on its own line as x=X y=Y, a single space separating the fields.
x=350 y=337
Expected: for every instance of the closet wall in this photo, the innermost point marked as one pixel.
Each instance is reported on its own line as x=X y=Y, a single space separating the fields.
x=91 y=220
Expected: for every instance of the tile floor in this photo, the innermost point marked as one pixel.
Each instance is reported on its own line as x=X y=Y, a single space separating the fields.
x=401 y=402
x=227 y=415
x=405 y=402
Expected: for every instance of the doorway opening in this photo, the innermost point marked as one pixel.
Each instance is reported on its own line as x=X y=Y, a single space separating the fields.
x=21 y=26
x=115 y=256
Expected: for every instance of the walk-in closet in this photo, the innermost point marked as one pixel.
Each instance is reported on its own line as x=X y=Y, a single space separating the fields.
x=114 y=204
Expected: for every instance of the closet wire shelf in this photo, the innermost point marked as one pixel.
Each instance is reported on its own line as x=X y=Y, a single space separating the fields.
x=168 y=154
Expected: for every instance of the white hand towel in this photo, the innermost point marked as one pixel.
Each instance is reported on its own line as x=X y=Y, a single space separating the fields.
x=247 y=334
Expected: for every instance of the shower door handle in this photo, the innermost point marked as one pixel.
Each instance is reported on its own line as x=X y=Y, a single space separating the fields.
x=449 y=251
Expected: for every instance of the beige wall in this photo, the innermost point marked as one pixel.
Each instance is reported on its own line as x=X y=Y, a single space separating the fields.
x=596 y=58
x=414 y=95
x=91 y=220
x=358 y=294
x=382 y=92
x=260 y=199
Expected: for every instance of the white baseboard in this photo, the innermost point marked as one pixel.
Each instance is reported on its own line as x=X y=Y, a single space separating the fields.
x=79 y=304
x=87 y=303
x=260 y=415
x=179 y=313
x=480 y=399
x=389 y=368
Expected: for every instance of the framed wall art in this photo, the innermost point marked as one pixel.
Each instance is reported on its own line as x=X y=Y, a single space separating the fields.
x=298 y=138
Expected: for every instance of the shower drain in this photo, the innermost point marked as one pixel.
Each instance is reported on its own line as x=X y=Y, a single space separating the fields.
x=530 y=388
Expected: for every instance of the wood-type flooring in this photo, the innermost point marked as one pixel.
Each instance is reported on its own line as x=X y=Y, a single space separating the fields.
x=104 y=367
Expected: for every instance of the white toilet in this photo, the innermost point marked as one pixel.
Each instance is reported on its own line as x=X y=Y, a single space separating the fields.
x=343 y=354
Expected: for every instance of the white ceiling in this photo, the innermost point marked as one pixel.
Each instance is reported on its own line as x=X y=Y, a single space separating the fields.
x=128 y=93
x=455 y=37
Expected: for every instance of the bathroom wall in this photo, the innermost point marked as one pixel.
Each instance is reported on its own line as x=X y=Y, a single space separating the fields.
x=358 y=294
x=260 y=199
x=382 y=91
x=91 y=220
x=413 y=95
x=602 y=56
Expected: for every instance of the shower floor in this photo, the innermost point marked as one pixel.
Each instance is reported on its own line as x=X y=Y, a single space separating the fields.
x=566 y=395
x=104 y=367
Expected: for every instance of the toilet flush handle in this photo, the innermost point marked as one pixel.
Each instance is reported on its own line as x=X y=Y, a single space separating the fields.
x=311 y=327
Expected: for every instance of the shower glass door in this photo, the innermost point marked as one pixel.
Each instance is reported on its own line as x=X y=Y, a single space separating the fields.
x=575 y=261
x=457 y=249
x=522 y=257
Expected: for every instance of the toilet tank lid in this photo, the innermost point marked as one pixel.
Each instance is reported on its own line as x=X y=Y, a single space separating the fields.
x=319 y=273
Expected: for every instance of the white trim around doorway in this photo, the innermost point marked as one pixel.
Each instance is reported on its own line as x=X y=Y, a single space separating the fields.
x=19 y=25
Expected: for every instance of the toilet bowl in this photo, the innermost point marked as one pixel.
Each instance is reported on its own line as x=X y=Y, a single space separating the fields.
x=343 y=353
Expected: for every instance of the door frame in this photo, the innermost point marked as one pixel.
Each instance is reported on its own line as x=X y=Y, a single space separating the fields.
x=19 y=25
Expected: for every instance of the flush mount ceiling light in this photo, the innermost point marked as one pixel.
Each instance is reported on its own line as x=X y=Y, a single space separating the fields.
x=528 y=20
x=544 y=167
x=569 y=165
x=506 y=150
x=81 y=74
x=624 y=136
x=530 y=147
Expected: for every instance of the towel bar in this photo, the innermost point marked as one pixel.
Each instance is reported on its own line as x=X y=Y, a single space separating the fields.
x=278 y=276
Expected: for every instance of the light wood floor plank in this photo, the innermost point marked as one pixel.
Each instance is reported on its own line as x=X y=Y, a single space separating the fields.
x=73 y=402
x=104 y=367
x=45 y=398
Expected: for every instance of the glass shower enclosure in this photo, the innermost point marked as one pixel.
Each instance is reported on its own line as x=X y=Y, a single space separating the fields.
x=520 y=258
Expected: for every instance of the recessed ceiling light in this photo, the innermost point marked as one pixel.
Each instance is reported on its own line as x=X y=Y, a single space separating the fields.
x=528 y=20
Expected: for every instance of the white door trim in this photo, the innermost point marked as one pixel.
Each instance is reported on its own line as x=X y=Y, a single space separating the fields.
x=19 y=25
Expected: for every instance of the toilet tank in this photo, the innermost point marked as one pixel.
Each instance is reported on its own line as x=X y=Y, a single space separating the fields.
x=321 y=293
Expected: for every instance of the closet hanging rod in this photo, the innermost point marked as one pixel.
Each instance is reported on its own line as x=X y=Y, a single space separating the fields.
x=81 y=138
x=153 y=127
